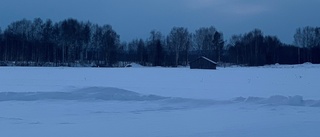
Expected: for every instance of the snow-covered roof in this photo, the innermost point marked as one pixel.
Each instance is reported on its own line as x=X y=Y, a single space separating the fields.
x=208 y=60
x=205 y=59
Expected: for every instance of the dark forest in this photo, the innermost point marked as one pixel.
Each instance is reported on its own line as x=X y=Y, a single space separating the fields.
x=76 y=43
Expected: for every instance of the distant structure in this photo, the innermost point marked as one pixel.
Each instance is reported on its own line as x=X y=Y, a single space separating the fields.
x=203 y=63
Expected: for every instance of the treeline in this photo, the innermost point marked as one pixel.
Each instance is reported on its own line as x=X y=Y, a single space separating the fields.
x=75 y=43
x=255 y=49
x=64 y=43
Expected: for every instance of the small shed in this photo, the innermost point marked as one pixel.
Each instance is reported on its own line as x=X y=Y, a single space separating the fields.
x=203 y=63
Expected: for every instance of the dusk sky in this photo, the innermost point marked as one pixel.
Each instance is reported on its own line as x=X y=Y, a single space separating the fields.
x=136 y=18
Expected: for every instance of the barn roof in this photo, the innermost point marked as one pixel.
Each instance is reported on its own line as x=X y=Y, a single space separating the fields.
x=202 y=57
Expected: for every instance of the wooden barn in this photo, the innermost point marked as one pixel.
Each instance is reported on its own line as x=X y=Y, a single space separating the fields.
x=203 y=63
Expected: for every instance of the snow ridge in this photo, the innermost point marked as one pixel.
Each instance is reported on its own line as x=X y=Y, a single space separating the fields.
x=116 y=94
x=93 y=93
x=280 y=100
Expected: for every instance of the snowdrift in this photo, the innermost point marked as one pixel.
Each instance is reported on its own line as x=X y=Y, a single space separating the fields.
x=93 y=93
x=116 y=94
x=274 y=100
x=278 y=100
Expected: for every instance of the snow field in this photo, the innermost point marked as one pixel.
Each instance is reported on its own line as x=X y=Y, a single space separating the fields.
x=160 y=102
x=224 y=83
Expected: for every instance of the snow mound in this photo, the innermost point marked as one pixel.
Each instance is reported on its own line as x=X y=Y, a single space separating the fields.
x=304 y=65
x=278 y=100
x=314 y=103
x=116 y=94
x=93 y=93
x=283 y=100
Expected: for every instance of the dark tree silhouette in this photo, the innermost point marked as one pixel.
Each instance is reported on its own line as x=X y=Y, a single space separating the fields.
x=179 y=41
x=76 y=43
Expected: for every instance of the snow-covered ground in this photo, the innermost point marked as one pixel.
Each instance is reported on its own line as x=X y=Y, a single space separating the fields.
x=264 y=101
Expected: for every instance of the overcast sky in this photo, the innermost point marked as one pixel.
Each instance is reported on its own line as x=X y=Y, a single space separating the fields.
x=136 y=18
